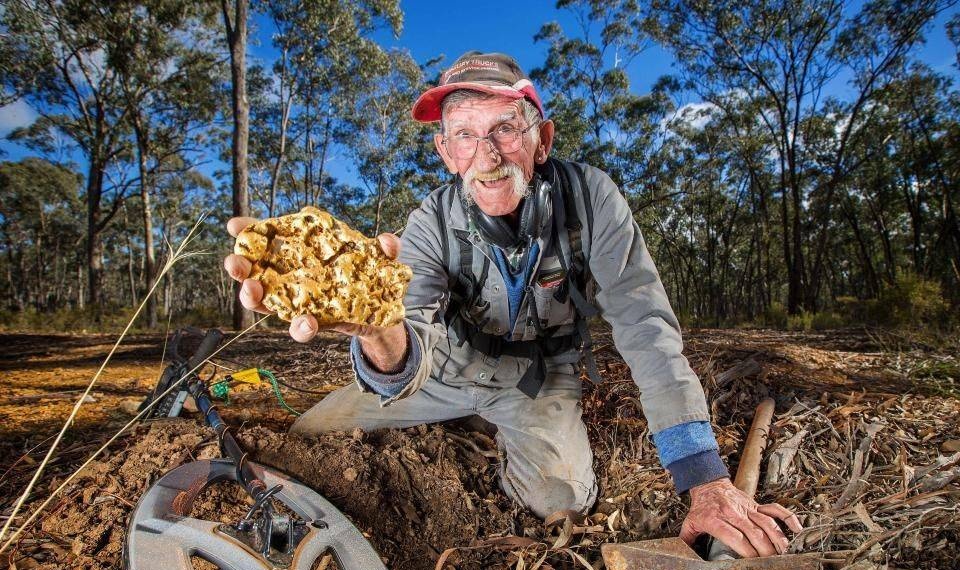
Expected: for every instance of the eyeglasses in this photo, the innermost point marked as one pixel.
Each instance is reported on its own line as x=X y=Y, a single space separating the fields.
x=506 y=139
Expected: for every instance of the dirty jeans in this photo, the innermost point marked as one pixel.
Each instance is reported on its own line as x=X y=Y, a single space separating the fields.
x=548 y=463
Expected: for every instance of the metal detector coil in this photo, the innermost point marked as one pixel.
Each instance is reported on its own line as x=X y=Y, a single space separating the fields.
x=161 y=535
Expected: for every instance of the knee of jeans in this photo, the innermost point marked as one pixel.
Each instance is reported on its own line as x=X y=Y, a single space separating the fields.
x=551 y=494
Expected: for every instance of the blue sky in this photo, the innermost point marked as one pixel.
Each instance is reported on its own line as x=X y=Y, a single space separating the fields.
x=452 y=27
x=501 y=26
x=509 y=27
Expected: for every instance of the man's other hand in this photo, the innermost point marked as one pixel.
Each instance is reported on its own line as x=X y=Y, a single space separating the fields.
x=304 y=327
x=729 y=515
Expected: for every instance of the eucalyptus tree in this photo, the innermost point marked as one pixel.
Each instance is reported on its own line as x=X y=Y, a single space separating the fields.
x=59 y=67
x=783 y=56
x=164 y=54
x=235 y=14
x=908 y=191
x=382 y=136
x=708 y=230
x=324 y=64
x=39 y=235
x=599 y=120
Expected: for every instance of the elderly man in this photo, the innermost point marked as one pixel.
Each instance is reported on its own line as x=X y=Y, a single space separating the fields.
x=493 y=308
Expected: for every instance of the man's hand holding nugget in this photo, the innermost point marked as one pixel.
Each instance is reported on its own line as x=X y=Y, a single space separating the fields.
x=385 y=347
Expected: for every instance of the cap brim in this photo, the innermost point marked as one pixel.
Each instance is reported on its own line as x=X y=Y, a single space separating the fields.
x=427 y=107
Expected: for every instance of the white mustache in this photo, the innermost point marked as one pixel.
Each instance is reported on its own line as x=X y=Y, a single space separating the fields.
x=506 y=170
x=500 y=172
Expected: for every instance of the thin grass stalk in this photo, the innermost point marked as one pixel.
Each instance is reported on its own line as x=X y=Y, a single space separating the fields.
x=127 y=426
x=174 y=258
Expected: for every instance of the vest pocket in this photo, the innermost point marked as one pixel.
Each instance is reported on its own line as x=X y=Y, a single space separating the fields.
x=551 y=311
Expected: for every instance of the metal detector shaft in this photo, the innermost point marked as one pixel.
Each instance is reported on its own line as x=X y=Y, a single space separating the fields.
x=228 y=445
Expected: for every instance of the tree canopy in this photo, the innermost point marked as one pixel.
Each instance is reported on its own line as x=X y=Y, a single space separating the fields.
x=763 y=189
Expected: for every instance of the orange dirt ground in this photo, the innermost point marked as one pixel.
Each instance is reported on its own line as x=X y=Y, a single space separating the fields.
x=421 y=491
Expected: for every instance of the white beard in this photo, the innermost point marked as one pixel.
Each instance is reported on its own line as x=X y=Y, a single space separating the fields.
x=520 y=186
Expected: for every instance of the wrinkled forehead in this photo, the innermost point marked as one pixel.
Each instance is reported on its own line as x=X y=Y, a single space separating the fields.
x=481 y=112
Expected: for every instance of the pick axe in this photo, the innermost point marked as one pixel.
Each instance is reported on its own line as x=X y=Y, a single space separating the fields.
x=675 y=554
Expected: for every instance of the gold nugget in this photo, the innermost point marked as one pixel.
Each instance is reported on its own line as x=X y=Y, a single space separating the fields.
x=312 y=263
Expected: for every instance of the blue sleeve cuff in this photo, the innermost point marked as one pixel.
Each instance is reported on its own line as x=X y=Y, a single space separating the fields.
x=697 y=469
x=386 y=384
x=689 y=451
x=684 y=440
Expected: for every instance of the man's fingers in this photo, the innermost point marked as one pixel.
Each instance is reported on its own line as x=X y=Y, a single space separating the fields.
x=783 y=513
x=238 y=267
x=251 y=296
x=732 y=537
x=773 y=532
x=688 y=533
x=237 y=225
x=303 y=328
x=757 y=536
x=390 y=244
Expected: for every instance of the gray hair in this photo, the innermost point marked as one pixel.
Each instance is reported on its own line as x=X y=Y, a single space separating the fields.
x=531 y=113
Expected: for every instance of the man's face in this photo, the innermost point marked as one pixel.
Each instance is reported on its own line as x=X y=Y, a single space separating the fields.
x=492 y=179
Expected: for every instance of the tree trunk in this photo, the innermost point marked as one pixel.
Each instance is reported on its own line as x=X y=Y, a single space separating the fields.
x=872 y=282
x=80 y=292
x=284 y=121
x=376 y=221
x=323 y=159
x=793 y=303
x=93 y=259
x=131 y=278
x=236 y=28
x=15 y=289
x=308 y=121
x=168 y=294
x=149 y=257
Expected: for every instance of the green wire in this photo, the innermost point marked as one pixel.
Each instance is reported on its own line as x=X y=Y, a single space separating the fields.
x=276 y=390
x=222 y=390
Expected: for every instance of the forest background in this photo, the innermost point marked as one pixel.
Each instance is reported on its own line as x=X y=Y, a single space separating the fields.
x=792 y=164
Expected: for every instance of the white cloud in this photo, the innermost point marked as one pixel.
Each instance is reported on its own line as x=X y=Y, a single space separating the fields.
x=692 y=116
x=695 y=115
x=15 y=115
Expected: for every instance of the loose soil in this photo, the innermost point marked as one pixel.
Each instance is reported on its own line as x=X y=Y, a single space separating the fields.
x=430 y=493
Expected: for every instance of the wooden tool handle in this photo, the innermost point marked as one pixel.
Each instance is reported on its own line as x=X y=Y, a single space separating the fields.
x=748 y=472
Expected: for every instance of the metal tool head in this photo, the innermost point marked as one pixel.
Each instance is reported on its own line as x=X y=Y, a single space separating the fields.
x=675 y=554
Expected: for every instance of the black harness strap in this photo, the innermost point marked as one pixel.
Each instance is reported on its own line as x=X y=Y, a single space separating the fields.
x=464 y=286
x=573 y=260
x=444 y=240
x=453 y=304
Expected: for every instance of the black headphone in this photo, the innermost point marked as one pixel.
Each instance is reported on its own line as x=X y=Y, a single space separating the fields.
x=533 y=214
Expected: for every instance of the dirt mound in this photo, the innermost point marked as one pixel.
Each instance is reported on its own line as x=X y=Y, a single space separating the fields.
x=414 y=492
x=86 y=528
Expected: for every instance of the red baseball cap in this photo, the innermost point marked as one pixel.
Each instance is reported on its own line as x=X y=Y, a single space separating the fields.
x=494 y=73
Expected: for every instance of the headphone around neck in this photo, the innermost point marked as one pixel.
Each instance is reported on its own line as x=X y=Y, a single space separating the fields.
x=534 y=214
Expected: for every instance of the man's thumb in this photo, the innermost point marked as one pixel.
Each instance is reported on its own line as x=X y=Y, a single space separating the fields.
x=390 y=244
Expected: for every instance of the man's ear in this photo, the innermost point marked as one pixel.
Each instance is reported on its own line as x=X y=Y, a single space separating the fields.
x=546 y=141
x=442 y=151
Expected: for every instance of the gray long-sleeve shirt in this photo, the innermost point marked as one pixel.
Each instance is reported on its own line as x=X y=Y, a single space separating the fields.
x=630 y=297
